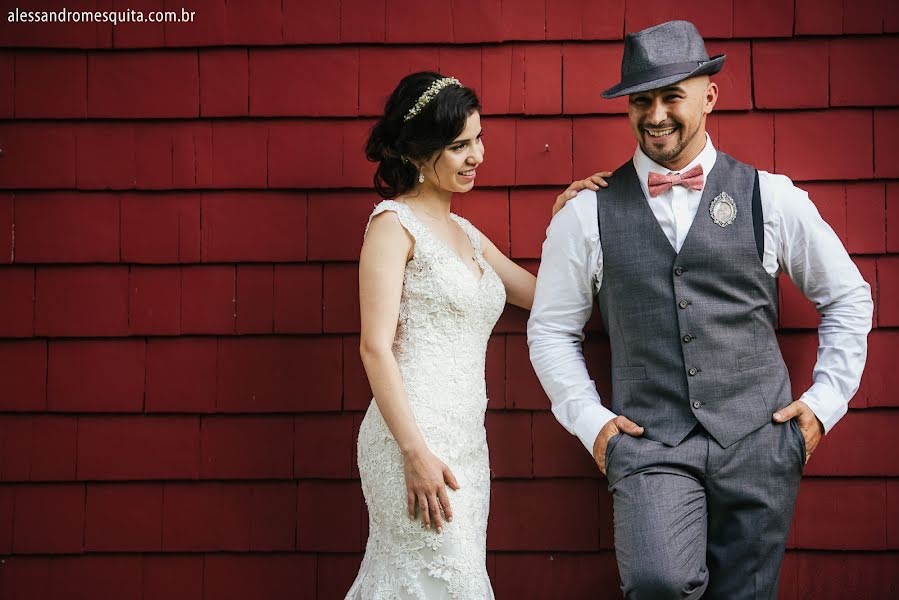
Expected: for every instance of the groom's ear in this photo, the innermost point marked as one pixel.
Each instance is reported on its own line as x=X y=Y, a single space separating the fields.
x=711 y=97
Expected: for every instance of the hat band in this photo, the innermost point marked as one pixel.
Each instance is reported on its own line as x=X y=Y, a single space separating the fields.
x=661 y=72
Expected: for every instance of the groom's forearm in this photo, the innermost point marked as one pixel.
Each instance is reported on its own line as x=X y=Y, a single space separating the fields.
x=814 y=258
x=592 y=418
x=563 y=303
x=560 y=367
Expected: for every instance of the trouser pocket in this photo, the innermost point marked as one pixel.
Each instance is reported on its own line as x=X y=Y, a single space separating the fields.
x=610 y=448
x=794 y=425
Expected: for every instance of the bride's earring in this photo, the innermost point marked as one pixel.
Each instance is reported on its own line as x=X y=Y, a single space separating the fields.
x=421 y=177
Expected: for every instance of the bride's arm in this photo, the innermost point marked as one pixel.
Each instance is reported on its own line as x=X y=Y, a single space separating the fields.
x=381 y=266
x=519 y=282
x=382 y=263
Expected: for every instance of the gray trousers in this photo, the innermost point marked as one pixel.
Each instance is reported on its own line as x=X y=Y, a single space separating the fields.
x=701 y=521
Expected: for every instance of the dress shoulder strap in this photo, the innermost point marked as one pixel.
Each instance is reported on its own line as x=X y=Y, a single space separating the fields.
x=470 y=230
x=407 y=219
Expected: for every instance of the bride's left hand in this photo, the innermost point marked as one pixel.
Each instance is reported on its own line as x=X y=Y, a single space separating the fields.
x=594 y=182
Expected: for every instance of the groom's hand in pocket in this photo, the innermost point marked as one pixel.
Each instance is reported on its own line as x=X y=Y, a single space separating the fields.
x=613 y=427
x=809 y=425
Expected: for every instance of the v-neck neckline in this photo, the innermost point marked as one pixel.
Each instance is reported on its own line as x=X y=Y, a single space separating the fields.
x=658 y=226
x=482 y=270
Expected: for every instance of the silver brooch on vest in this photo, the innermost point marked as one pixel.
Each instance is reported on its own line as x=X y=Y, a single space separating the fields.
x=723 y=209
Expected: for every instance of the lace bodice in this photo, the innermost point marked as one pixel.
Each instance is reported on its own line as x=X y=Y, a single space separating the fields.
x=445 y=319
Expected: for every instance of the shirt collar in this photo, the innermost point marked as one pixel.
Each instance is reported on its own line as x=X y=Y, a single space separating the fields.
x=643 y=164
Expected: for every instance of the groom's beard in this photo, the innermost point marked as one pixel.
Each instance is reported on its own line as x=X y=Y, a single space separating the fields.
x=662 y=156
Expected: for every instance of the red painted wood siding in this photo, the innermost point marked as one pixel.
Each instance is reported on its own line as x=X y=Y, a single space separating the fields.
x=181 y=211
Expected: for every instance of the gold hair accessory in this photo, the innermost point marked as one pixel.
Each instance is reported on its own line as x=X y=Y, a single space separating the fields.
x=429 y=94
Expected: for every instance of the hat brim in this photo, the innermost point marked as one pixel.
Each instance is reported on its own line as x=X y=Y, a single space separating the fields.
x=708 y=68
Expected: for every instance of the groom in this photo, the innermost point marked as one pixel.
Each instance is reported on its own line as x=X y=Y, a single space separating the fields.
x=704 y=446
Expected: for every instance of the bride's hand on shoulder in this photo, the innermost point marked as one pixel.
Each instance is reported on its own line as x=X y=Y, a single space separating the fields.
x=426 y=479
x=594 y=182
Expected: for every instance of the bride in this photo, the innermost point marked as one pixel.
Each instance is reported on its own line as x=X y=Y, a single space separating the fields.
x=431 y=288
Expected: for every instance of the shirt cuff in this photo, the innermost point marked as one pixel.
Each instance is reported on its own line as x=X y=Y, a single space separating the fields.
x=826 y=404
x=589 y=422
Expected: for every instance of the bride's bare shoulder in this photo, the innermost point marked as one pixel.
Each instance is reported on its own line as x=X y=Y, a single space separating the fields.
x=389 y=227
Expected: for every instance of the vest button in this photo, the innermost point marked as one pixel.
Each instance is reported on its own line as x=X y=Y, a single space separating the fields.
x=687 y=338
x=678 y=271
x=693 y=371
x=683 y=304
x=697 y=404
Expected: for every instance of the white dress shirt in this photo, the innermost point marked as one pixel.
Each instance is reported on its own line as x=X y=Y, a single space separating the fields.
x=797 y=241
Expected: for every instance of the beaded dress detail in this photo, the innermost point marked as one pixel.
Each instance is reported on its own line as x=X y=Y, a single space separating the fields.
x=445 y=320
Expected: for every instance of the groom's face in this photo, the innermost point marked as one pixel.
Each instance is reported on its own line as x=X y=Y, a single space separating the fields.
x=669 y=122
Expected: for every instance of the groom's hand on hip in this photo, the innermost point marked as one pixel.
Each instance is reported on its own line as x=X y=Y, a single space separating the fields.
x=811 y=427
x=613 y=427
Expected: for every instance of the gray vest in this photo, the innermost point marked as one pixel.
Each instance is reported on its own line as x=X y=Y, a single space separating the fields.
x=692 y=333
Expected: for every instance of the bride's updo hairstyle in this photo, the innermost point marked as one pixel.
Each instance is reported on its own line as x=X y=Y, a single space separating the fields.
x=411 y=130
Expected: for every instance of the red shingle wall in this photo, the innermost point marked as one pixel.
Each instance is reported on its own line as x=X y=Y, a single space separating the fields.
x=181 y=211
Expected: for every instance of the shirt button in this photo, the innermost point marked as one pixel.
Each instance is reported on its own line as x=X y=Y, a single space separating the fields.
x=678 y=271
x=683 y=304
x=693 y=371
x=688 y=337
x=697 y=404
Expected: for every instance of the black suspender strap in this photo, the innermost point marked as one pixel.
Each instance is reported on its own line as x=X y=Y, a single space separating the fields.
x=758 y=224
x=598 y=220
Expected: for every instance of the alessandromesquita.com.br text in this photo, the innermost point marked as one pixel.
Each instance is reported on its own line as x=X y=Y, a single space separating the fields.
x=100 y=16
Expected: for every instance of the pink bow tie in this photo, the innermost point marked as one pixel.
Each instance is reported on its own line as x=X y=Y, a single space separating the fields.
x=659 y=184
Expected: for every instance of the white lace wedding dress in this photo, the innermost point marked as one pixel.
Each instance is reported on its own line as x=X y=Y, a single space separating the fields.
x=446 y=316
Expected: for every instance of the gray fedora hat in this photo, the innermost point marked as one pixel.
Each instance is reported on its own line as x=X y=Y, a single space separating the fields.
x=663 y=55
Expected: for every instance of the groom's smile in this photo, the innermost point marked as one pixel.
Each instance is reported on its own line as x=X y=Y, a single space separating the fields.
x=660 y=133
